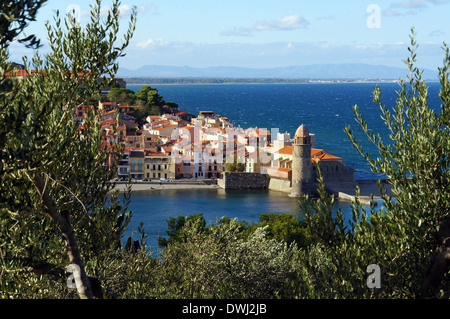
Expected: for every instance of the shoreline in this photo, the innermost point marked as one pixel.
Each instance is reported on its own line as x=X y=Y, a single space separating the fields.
x=367 y=187
x=368 y=192
x=153 y=186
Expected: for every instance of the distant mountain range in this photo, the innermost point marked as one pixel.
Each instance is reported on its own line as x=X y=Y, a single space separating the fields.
x=353 y=71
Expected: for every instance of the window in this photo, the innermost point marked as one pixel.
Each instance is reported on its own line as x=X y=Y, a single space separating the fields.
x=132 y=162
x=139 y=162
x=154 y=175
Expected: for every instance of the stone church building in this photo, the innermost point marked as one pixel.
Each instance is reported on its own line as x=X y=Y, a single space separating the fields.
x=294 y=168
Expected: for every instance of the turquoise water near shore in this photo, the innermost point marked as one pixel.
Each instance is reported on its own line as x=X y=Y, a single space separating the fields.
x=324 y=108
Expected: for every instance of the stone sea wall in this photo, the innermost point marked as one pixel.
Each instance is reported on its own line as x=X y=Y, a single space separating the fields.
x=231 y=180
x=280 y=185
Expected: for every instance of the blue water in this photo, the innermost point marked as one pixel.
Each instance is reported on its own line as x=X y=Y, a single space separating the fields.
x=155 y=207
x=324 y=108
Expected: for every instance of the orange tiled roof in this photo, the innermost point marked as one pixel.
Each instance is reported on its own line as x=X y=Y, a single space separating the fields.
x=20 y=73
x=164 y=127
x=323 y=155
x=107 y=122
x=109 y=112
x=287 y=150
x=152 y=152
x=319 y=153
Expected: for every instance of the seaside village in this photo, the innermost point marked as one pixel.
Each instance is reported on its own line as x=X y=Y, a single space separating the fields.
x=179 y=145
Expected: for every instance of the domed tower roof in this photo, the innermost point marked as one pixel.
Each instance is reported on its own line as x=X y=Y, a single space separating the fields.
x=302 y=131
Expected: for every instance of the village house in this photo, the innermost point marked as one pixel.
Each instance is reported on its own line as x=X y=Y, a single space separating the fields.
x=165 y=130
x=185 y=167
x=20 y=73
x=136 y=161
x=106 y=106
x=124 y=164
x=257 y=162
x=158 y=165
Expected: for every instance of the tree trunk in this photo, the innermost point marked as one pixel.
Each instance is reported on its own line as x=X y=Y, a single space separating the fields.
x=440 y=262
x=63 y=220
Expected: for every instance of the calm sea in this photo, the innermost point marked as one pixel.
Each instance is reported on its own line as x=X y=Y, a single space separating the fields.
x=324 y=108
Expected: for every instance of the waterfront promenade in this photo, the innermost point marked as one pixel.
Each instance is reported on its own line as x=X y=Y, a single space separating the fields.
x=167 y=185
x=367 y=188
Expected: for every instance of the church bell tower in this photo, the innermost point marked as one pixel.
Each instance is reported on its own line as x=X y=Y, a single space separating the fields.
x=301 y=163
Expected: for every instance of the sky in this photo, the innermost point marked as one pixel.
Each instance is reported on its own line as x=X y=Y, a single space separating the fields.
x=269 y=33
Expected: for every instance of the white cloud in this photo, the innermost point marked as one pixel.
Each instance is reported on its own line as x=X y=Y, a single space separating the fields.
x=125 y=10
x=417 y=4
x=391 y=13
x=291 y=22
x=148 y=8
x=411 y=7
x=152 y=44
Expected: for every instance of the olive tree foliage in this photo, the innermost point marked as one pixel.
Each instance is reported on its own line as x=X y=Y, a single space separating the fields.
x=14 y=18
x=408 y=235
x=55 y=173
x=219 y=262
